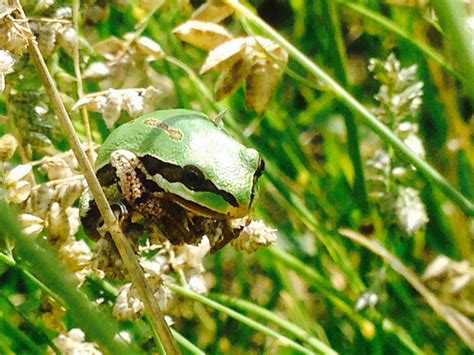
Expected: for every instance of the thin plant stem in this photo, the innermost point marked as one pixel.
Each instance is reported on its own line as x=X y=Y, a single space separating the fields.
x=363 y=113
x=283 y=340
x=456 y=320
x=358 y=189
x=80 y=88
x=452 y=16
x=264 y=313
x=123 y=246
x=185 y=343
x=397 y=30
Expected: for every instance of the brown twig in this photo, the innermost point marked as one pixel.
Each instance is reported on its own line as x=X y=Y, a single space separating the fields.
x=124 y=248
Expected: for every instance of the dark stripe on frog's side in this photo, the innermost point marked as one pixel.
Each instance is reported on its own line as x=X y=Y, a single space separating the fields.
x=256 y=176
x=107 y=175
x=175 y=173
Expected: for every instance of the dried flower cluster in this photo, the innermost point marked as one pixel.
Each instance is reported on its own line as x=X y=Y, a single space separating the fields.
x=453 y=281
x=257 y=60
x=390 y=180
x=74 y=343
x=48 y=208
x=135 y=101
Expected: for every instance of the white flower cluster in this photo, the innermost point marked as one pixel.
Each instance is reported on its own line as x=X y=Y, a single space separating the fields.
x=388 y=178
x=410 y=210
x=186 y=260
x=254 y=236
x=400 y=93
x=74 y=343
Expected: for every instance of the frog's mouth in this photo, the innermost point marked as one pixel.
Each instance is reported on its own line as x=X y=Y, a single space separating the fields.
x=198 y=209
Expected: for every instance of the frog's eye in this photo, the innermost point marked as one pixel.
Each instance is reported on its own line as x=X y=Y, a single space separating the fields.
x=193 y=177
x=260 y=168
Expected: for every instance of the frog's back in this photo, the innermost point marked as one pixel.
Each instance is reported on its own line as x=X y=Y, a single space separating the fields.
x=166 y=134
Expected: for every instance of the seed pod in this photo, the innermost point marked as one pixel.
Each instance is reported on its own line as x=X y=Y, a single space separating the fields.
x=8 y=144
x=205 y=35
x=225 y=55
x=149 y=47
x=261 y=84
x=213 y=11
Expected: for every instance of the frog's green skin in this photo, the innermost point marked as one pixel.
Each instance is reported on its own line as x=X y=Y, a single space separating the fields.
x=174 y=145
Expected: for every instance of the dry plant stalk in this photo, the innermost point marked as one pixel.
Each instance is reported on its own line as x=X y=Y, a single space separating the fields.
x=127 y=254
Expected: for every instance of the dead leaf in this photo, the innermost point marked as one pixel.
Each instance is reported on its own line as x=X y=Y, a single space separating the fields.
x=261 y=84
x=225 y=55
x=231 y=78
x=110 y=48
x=205 y=35
x=213 y=11
x=149 y=47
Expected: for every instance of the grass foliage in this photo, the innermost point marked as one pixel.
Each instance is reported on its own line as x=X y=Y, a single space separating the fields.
x=367 y=142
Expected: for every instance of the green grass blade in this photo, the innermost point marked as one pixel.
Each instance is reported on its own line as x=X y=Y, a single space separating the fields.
x=452 y=16
x=283 y=340
x=271 y=316
x=392 y=27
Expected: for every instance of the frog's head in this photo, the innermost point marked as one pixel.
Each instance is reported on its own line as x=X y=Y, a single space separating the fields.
x=190 y=157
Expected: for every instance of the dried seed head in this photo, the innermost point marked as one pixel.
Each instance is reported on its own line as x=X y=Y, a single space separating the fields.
x=149 y=47
x=13 y=35
x=255 y=235
x=196 y=281
x=18 y=173
x=127 y=307
x=415 y=144
x=213 y=11
x=151 y=98
x=56 y=168
x=112 y=107
x=261 y=83
x=6 y=65
x=74 y=343
x=110 y=48
x=410 y=210
x=205 y=35
x=134 y=103
x=62 y=223
x=40 y=199
x=231 y=77
x=18 y=187
x=32 y=225
x=438 y=267
x=68 y=193
x=191 y=256
x=225 y=55
x=96 y=70
x=77 y=256
x=8 y=144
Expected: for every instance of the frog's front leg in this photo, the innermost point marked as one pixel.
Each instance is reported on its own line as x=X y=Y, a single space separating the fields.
x=132 y=180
